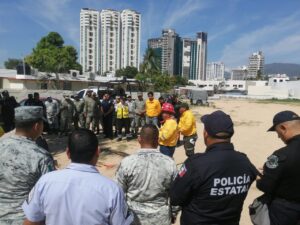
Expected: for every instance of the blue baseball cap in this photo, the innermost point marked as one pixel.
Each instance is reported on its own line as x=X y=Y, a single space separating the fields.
x=216 y=123
x=282 y=117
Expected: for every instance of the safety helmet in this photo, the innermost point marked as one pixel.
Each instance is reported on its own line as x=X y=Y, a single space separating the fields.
x=168 y=107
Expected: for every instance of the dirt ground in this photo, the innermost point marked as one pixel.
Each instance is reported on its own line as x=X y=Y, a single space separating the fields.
x=251 y=120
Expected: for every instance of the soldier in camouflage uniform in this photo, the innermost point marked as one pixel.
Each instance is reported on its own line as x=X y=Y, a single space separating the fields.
x=90 y=109
x=79 y=116
x=67 y=111
x=22 y=163
x=146 y=178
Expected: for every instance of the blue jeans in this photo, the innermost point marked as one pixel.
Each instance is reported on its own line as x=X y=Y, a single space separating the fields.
x=152 y=120
x=167 y=150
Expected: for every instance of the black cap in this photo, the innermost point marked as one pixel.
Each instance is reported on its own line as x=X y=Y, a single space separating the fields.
x=282 y=117
x=218 y=122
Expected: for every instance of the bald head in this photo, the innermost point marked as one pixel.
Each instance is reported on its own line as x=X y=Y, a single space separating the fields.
x=288 y=130
x=149 y=136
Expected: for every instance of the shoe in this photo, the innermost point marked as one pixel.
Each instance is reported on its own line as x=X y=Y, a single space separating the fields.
x=119 y=139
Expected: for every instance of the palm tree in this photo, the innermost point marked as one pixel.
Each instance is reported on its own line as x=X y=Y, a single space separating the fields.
x=151 y=64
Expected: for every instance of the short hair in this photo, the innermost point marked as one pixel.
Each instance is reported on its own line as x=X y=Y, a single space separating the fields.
x=36 y=94
x=82 y=144
x=150 y=93
x=149 y=133
x=26 y=125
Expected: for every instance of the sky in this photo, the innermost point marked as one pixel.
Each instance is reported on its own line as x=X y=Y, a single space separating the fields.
x=236 y=28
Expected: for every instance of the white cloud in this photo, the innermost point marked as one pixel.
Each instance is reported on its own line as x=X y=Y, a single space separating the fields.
x=53 y=15
x=181 y=9
x=222 y=32
x=275 y=40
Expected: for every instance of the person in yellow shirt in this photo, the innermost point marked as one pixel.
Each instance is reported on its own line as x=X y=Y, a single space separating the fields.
x=122 y=119
x=168 y=132
x=153 y=109
x=187 y=127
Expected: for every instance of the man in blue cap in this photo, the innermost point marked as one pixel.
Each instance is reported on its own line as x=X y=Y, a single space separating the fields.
x=211 y=187
x=281 y=173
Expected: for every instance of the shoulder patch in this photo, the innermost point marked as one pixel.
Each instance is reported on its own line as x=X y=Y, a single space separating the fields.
x=272 y=162
x=182 y=171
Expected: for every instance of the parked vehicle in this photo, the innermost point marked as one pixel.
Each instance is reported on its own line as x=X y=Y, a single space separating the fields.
x=198 y=97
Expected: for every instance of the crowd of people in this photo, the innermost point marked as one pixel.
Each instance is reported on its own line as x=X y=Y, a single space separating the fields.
x=148 y=189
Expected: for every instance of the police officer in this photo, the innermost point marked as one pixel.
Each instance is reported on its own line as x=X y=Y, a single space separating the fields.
x=22 y=163
x=107 y=109
x=130 y=102
x=8 y=105
x=67 y=111
x=146 y=177
x=79 y=116
x=78 y=194
x=211 y=187
x=281 y=173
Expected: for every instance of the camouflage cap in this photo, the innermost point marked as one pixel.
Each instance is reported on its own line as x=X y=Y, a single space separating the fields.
x=29 y=113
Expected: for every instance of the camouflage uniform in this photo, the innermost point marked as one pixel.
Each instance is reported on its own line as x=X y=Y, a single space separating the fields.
x=139 y=118
x=146 y=178
x=90 y=110
x=22 y=163
x=79 y=117
x=66 y=115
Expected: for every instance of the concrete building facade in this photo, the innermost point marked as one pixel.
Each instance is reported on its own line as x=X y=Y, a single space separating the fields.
x=256 y=64
x=89 y=40
x=110 y=48
x=215 y=71
x=240 y=73
x=130 y=38
x=181 y=56
x=109 y=40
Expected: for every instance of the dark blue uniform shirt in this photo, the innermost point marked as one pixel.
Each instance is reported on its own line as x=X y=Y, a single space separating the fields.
x=211 y=187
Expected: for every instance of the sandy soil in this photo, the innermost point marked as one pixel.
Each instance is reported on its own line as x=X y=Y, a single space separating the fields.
x=251 y=120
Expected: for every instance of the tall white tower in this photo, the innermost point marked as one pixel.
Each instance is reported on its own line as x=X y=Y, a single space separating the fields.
x=110 y=41
x=130 y=38
x=201 y=56
x=89 y=40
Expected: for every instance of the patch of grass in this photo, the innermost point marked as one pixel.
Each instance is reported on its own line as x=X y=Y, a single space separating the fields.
x=291 y=101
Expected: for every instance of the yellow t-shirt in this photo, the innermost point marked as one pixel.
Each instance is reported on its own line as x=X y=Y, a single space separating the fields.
x=153 y=108
x=168 y=133
x=187 y=124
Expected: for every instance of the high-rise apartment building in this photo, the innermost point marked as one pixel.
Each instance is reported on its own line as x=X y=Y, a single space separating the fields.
x=109 y=40
x=181 y=56
x=186 y=57
x=168 y=47
x=201 y=56
x=110 y=46
x=89 y=40
x=215 y=71
x=130 y=38
x=256 y=64
x=239 y=73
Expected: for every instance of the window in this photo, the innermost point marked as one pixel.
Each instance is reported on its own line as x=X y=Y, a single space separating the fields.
x=275 y=80
x=235 y=86
x=240 y=86
x=280 y=80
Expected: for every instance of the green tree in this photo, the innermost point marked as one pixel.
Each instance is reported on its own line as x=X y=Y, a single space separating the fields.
x=128 y=72
x=51 y=56
x=151 y=64
x=11 y=63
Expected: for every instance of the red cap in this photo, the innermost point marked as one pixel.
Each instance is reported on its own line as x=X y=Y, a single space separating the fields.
x=168 y=107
